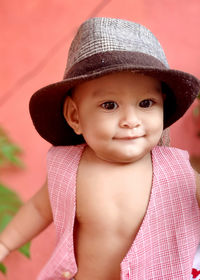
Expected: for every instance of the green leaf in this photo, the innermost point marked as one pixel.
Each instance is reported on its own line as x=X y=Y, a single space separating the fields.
x=196 y=111
x=9 y=205
x=25 y=250
x=3 y=268
x=6 y=192
x=8 y=151
x=4 y=221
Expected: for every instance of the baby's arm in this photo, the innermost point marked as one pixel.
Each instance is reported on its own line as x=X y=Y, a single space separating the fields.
x=32 y=218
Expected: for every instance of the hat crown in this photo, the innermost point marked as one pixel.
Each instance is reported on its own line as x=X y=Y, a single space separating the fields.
x=98 y=35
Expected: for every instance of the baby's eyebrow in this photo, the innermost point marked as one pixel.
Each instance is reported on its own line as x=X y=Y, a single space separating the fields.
x=157 y=88
x=102 y=93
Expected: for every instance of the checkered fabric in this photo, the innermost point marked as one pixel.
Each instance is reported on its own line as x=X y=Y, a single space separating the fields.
x=99 y=35
x=167 y=240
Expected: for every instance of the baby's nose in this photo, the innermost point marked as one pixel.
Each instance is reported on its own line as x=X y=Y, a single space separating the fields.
x=129 y=119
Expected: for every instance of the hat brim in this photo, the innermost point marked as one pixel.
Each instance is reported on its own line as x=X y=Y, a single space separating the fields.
x=46 y=105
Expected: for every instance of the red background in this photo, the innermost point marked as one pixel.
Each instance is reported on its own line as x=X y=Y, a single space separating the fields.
x=35 y=36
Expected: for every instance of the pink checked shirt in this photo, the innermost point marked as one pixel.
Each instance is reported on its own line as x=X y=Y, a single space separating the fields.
x=165 y=245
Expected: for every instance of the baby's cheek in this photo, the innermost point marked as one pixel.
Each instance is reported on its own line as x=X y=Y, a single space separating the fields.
x=156 y=121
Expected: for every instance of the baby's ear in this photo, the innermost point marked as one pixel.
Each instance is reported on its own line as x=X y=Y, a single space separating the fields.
x=71 y=114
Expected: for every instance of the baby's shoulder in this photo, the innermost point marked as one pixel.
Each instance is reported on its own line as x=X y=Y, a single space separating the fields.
x=65 y=151
x=170 y=154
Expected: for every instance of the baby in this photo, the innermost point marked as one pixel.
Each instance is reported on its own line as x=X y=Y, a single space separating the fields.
x=123 y=207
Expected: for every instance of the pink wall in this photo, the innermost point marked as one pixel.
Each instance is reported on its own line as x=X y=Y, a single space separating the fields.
x=35 y=36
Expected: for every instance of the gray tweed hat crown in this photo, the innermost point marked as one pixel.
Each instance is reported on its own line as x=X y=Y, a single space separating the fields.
x=102 y=46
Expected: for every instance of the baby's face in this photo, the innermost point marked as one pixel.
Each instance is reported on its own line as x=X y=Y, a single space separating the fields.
x=120 y=115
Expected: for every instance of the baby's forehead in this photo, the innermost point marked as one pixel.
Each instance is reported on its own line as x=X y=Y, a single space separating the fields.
x=118 y=83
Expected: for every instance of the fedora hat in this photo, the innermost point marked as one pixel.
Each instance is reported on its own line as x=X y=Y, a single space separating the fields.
x=100 y=47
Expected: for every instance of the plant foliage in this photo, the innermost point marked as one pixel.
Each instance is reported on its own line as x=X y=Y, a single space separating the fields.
x=10 y=202
x=9 y=152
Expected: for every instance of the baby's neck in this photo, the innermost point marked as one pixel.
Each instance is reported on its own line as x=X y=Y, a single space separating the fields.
x=91 y=156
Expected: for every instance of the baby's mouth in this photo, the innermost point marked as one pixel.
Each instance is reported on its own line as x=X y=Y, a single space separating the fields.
x=128 y=137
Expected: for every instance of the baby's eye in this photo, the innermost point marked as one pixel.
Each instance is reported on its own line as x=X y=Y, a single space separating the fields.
x=146 y=103
x=109 y=105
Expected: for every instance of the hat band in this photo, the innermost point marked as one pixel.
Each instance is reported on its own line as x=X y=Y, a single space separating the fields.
x=115 y=60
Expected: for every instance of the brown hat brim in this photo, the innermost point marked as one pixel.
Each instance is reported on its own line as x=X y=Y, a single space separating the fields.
x=46 y=105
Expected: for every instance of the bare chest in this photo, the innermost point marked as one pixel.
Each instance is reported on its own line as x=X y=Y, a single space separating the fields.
x=113 y=200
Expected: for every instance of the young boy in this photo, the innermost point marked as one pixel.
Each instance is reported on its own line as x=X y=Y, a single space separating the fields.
x=123 y=207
